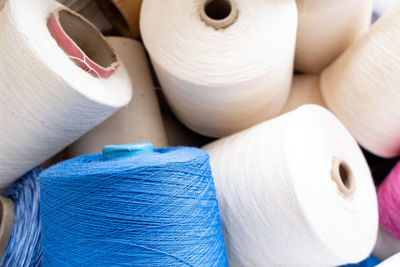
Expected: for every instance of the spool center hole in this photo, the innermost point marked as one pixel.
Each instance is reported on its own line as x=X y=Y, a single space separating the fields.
x=343 y=177
x=87 y=38
x=218 y=9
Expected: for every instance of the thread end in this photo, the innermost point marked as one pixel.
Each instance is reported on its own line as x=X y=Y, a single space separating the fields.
x=130 y=150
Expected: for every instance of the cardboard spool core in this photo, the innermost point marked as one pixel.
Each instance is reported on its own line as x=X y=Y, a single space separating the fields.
x=6 y=223
x=219 y=14
x=85 y=45
x=343 y=177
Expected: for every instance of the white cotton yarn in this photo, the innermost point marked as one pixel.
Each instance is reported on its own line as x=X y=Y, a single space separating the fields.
x=279 y=203
x=382 y=6
x=386 y=245
x=326 y=28
x=362 y=87
x=305 y=90
x=138 y=122
x=47 y=101
x=220 y=81
x=393 y=261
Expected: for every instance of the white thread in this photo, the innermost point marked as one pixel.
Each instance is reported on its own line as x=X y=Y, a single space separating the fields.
x=362 y=87
x=382 y=6
x=305 y=90
x=221 y=81
x=141 y=120
x=47 y=101
x=393 y=261
x=326 y=28
x=279 y=203
x=87 y=65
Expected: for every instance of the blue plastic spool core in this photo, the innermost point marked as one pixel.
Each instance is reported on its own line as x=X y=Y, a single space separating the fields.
x=130 y=150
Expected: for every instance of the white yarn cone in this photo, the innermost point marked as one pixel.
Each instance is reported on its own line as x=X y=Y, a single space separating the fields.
x=221 y=76
x=326 y=28
x=295 y=191
x=382 y=6
x=362 y=87
x=47 y=100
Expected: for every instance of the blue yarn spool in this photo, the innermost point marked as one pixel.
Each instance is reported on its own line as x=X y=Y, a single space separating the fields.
x=156 y=208
x=24 y=247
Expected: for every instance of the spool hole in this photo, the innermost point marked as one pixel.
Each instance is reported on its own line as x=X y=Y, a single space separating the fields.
x=343 y=177
x=219 y=14
x=87 y=38
x=218 y=9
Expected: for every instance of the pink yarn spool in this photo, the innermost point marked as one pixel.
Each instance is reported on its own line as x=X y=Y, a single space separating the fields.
x=389 y=202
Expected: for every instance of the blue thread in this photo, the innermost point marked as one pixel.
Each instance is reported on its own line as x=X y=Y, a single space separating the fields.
x=157 y=209
x=371 y=261
x=24 y=247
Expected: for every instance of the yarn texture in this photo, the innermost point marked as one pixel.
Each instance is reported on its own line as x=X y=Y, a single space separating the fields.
x=158 y=209
x=221 y=81
x=47 y=101
x=279 y=200
x=389 y=203
x=24 y=247
x=326 y=29
x=362 y=87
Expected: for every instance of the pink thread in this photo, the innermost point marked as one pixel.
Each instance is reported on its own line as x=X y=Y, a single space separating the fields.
x=389 y=202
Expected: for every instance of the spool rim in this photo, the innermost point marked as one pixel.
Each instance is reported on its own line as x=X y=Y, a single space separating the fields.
x=342 y=175
x=102 y=60
x=218 y=23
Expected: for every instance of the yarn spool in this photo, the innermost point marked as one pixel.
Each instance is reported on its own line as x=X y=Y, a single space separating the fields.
x=24 y=246
x=326 y=29
x=124 y=15
x=49 y=98
x=389 y=210
x=393 y=261
x=292 y=186
x=141 y=120
x=223 y=65
x=305 y=90
x=361 y=87
x=132 y=206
